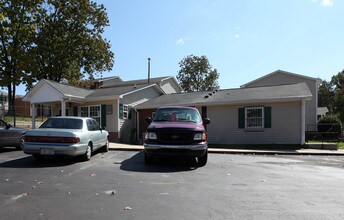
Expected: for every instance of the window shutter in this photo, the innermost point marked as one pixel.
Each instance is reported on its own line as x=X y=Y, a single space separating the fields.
x=241 y=117
x=75 y=111
x=103 y=116
x=267 y=117
x=120 y=110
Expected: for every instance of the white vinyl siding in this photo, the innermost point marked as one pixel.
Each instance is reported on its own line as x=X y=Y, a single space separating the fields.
x=126 y=124
x=169 y=86
x=286 y=125
x=281 y=78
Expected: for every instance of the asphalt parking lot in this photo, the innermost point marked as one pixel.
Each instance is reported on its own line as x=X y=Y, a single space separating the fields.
x=118 y=185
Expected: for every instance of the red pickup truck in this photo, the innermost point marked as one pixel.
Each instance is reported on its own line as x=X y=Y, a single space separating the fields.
x=176 y=131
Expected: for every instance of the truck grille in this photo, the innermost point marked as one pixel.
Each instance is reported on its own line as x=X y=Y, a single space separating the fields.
x=175 y=137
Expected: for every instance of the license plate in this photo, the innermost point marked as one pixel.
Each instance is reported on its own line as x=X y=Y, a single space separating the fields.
x=47 y=151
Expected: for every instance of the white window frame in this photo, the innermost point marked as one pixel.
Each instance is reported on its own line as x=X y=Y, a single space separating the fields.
x=249 y=127
x=96 y=117
x=125 y=111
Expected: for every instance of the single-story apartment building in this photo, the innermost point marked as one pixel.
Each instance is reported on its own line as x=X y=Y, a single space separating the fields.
x=273 y=109
x=260 y=115
x=111 y=104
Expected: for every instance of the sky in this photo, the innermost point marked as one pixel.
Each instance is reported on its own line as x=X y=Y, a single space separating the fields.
x=242 y=39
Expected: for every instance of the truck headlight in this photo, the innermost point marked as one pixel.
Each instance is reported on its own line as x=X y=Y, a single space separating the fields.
x=200 y=137
x=151 y=136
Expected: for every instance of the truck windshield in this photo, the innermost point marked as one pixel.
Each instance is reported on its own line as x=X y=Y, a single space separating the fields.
x=178 y=115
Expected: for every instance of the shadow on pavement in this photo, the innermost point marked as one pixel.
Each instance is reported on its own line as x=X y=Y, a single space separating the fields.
x=7 y=149
x=160 y=165
x=29 y=162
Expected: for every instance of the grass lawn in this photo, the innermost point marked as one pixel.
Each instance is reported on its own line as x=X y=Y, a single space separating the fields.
x=340 y=146
x=26 y=119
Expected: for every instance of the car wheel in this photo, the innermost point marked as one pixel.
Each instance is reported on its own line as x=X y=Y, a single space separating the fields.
x=38 y=157
x=148 y=159
x=88 y=154
x=106 y=146
x=202 y=161
x=20 y=144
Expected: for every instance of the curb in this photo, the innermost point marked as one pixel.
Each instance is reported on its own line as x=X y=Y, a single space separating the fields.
x=314 y=152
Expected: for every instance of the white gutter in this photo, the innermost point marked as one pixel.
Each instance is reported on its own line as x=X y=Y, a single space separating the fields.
x=137 y=90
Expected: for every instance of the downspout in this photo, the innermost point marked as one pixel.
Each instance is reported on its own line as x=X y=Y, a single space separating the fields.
x=303 y=121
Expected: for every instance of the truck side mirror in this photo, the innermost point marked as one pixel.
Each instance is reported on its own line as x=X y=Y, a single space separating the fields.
x=206 y=121
x=148 y=120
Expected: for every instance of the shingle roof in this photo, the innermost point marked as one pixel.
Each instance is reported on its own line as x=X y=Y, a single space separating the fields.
x=231 y=96
x=114 y=91
x=141 y=81
x=96 y=93
x=69 y=90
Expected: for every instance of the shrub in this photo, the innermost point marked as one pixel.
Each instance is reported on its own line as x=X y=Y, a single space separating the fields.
x=330 y=123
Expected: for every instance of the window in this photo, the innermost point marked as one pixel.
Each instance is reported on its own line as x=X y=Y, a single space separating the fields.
x=91 y=111
x=92 y=125
x=84 y=111
x=124 y=111
x=255 y=118
x=63 y=123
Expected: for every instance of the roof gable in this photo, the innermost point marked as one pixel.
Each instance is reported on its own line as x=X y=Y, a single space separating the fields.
x=280 y=73
x=48 y=91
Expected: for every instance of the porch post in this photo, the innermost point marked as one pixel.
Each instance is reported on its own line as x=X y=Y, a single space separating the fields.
x=33 y=107
x=63 y=108
x=303 y=122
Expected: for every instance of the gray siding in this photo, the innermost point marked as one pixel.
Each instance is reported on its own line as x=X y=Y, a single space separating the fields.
x=140 y=96
x=169 y=86
x=286 y=125
x=280 y=78
x=126 y=125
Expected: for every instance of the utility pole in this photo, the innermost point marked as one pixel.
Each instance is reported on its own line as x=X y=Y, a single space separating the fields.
x=149 y=59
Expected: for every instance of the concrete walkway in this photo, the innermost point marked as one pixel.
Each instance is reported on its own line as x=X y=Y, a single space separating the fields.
x=127 y=147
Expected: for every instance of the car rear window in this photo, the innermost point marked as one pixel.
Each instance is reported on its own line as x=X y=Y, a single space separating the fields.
x=63 y=123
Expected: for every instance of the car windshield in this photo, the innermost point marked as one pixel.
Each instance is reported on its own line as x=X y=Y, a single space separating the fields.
x=63 y=123
x=178 y=115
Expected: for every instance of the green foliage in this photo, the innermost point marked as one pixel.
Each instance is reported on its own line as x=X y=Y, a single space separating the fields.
x=58 y=40
x=196 y=74
x=337 y=83
x=325 y=95
x=330 y=123
x=17 y=28
x=69 y=46
x=331 y=95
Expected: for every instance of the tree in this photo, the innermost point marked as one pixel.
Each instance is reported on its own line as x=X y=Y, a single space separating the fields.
x=52 y=39
x=196 y=74
x=69 y=46
x=325 y=95
x=17 y=27
x=337 y=83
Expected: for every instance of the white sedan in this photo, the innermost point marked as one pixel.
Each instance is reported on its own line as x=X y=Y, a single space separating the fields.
x=68 y=136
